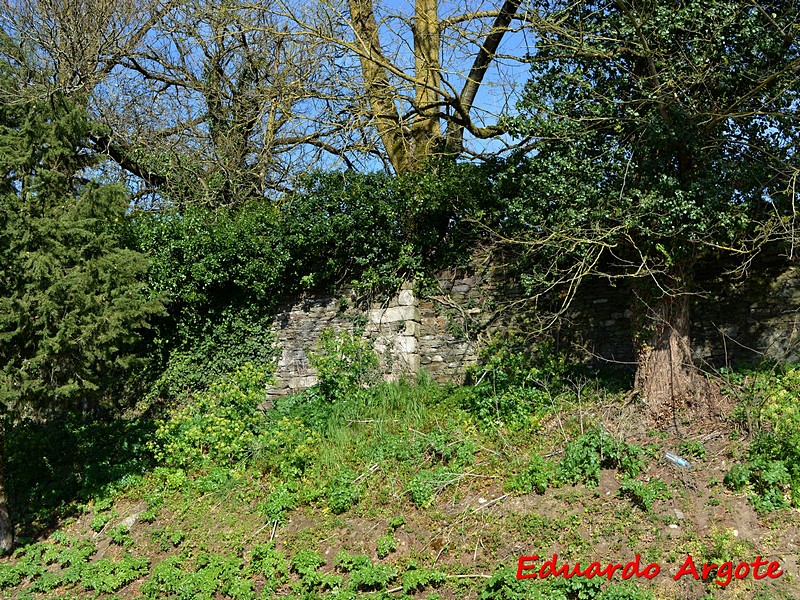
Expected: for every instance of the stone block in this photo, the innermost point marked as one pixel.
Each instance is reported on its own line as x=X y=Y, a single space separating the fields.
x=303 y=382
x=406 y=298
x=412 y=362
x=412 y=328
x=394 y=314
x=406 y=344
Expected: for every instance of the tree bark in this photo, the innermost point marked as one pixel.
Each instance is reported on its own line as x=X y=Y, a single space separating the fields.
x=6 y=526
x=380 y=93
x=666 y=375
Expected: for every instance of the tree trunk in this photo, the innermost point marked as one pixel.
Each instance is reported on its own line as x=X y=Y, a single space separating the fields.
x=666 y=375
x=6 y=527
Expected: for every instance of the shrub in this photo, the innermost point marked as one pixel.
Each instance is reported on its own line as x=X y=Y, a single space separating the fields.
x=220 y=425
x=286 y=446
x=772 y=470
x=344 y=364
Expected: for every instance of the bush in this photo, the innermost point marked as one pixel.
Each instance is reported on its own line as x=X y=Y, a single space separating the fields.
x=512 y=383
x=220 y=425
x=344 y=364
x=286 y=446
x=772 y=470
x=537 y=476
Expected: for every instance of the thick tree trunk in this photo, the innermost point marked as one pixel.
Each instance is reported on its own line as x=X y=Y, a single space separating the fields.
x=666 y=375
x=6 y=527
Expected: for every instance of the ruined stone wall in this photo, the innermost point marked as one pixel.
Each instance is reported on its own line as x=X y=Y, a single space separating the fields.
x=441 y=333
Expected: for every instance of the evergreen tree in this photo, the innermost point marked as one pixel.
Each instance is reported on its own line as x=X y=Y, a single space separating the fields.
x=72 y=303
x=667 y=135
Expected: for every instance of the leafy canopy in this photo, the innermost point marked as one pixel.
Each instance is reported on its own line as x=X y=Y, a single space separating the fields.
x=664 y=131
x=72 y=300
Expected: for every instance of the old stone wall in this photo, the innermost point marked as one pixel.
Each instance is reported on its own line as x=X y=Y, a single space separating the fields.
x=442 y=332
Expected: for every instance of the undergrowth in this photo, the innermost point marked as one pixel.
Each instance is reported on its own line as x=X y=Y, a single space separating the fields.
x=218 y=482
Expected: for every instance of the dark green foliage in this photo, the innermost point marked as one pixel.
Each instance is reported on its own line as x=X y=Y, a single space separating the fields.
x=52 y=465
x=737 y=478
x=220 y=273
x=665 y=134
x=73 y=303
x=224 y=272
x=638 y=141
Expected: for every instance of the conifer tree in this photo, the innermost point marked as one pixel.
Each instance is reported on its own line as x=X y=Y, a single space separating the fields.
x=72 y=304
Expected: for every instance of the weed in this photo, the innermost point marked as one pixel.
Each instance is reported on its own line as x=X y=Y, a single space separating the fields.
x=270 y=562
x=416 y=579
x=341 y=493
x=106 y=575
x=644 y=494
x=584 y=457
x=426 y=484
x=278 y=504
x=693 y=448
x=364 y=574
x=121 y=536
x=101 y=520
x=385 y=545
x=537 y=476
x=396 y=523
x=167 y=538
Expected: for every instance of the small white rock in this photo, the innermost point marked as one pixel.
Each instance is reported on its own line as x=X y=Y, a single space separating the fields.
x=735 y=533
x=673 y=526
x=482 y=500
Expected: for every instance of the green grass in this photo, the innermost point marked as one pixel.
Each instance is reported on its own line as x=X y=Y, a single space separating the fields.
x=399 y=489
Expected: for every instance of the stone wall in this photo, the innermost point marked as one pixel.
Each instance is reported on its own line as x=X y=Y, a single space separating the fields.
x=442 y=332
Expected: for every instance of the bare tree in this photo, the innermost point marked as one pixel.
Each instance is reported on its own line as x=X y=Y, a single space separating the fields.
x=201 y=103
x=418 y=72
